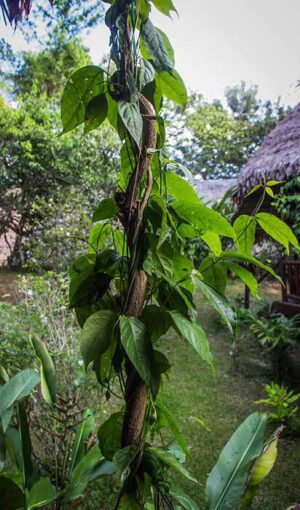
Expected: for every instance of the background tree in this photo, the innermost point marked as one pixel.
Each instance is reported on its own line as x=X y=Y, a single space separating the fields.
x=62 y=16
x=39 y=168
x=216 y=140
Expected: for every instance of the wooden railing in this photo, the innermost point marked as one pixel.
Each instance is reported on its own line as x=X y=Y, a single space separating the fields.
x=290 y=273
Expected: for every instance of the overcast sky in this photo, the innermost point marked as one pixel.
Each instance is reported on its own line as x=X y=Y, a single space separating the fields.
x=221 y=42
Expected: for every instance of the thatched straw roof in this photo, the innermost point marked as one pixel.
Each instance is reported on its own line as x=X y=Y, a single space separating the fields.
x=212 y=190
x=278 y=157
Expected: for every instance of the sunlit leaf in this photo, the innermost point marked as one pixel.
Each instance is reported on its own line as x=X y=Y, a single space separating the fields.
x=245 y=227
x=277 y=229
x=172 y=87
x=165 y=6
x=203 y=217
x=180 y=188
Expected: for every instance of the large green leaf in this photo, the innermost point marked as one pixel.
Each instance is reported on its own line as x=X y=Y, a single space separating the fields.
x=132 y=119
x=109 y=435
x=82 y=433
x=172 y=87
x=183 y=499
x=41 y=494
x=11 y=496
x=180 y=188
x=244 y=227
x=96 y=335
x=155 y=46
x=26 y=448
x=83 y=86
x=107 y=209
x=169 y=459
x=213 y=242
x=203 y=217
x=95 y=113
x=47 y=370
x=277 y=229
x=219 y=303
x=18 y=387
x=164 y=6
x=227 y=480
x=247 y=258
x=136 y=342
x=194 y=334
x=214 y=273
x=246 y=277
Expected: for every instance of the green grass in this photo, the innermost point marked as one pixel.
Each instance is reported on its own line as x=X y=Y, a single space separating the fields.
x=222 y=400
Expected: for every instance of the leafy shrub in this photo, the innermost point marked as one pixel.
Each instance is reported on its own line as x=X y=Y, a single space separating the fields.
x=281 y=400
x=42 y=313
x=270 y=329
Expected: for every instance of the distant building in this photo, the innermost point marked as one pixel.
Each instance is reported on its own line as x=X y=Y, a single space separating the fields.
x=213 y=190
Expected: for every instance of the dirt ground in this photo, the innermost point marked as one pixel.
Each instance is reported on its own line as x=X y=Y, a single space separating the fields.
x=8 y=287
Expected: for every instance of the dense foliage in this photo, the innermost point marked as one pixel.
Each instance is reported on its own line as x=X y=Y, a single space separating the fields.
x=216 y=140
x=47 y=182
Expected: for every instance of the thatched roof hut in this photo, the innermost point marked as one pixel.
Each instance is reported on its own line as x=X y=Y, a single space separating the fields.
x=278 y=157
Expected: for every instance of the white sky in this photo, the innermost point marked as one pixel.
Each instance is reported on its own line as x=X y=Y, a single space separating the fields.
x=221 y=42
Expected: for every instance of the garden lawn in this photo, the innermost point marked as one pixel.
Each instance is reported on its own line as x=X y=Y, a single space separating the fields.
x=223 y=400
